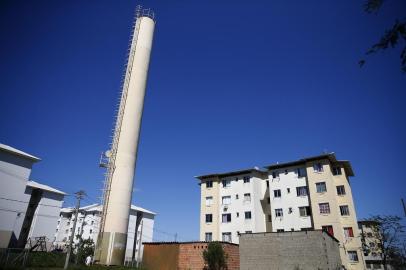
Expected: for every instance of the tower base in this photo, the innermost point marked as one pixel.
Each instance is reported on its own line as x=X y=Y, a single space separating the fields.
x=110 y=248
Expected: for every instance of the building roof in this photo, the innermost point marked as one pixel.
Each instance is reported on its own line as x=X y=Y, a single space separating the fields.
x=368 y=222
x=97 y=207
x=34 y=184
x=232 y=173
x=15 y=151
x=330 y=156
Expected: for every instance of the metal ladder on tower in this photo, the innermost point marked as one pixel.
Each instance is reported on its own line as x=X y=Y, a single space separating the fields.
x=119 y=119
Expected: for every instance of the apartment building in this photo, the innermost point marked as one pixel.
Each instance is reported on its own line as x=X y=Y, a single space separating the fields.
x=306 y=194
x=28 y=209
x=369 y=231
x=87 y=227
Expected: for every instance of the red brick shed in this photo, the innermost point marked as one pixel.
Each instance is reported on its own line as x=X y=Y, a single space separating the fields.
x=184 y=255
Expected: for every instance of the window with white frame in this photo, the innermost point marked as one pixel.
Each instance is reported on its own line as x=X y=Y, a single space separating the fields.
x=226 y=236
x=247 y=197
x=279 y=212
x=275 y=174
x=226 y=200
x=226 y=218
x=246 y=179
x=345 y=211
x=340 y=190
x=352 y=255
x=301 y=172
x=226 y=183
x=209 y=184
x=277 y=193
x=324 y=208
x=318 y=167
x=209 y=200
x=336 y=170
x=208 y=237
x=348 y=232
x=321 y=187
x=247 y=214
x=304 y=211
x=301 y=191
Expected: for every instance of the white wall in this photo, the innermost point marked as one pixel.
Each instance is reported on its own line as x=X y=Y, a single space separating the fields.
x=288 y=200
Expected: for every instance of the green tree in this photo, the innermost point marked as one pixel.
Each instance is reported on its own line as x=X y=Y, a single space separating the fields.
x=84 y=249
x=215 y=257
x=391 y=38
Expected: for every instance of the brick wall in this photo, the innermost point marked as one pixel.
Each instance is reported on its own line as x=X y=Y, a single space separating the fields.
x=184 y=256
x=307 y=250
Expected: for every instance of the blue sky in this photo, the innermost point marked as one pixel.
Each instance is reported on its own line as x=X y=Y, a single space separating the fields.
x=231 y=85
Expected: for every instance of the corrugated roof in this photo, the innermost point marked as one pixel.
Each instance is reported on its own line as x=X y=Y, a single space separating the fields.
x=13 y=150
x=34 y=184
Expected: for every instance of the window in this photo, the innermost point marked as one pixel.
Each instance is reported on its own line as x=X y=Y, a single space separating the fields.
x=286 y=171
x=348 y=232
x=238 y=214
x=66 y=231
x=317 y=167
x=290 y=210
x=279 y=212
x=277 y=193
x=352 y=255
x=267 y=183
x=301 y=191
x=226 y=237
x=92 y=222
x=324 y=208
x=248 y=231
x=208 y=237
x=246 y=179
x=90 y=231
x=280 y=230
x=340 y=190
x=275 y=174
x=288 y=190
x=321 y=187
x=226 y=200
x=248 y=215
x=209 y=184
x=336 y=170
x=236 y=196
x=209 y=218
x=304 y=211
x=209 y=201
x=269 y=218
x=226 y=183
x=226 y=218
x=301 y=172
x=247 y=197
x=344 y=210
x=328 y=229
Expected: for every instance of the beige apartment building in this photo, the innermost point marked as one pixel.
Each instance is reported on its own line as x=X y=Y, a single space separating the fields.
x=307 y=194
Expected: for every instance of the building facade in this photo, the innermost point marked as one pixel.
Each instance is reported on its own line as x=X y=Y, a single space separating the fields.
x=369 y=231
x=308 y=194
x=88 y=226
x=28 y=209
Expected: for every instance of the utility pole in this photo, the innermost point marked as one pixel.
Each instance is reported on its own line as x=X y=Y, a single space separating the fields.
x=404 y=206
x=79 y=195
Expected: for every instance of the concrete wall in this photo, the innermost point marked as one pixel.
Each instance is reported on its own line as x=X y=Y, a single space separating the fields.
x=184 y=256
x=14 y=173
x=304 y=250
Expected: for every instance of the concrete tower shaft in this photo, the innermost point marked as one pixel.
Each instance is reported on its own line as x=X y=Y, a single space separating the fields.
x=112 y=239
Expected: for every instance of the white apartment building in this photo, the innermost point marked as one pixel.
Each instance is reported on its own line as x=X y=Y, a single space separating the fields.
x=307 y=194
x=28 y=209
x=141 y=221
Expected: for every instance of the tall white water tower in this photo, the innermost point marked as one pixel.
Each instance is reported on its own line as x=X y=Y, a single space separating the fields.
x=122 y=156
